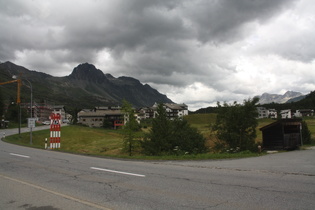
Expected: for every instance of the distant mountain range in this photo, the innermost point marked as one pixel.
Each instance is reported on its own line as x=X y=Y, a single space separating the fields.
x=85 y=87
x=289 y=96
x=301 y=102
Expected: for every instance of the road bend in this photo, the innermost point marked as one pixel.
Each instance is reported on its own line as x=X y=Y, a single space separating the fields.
x=44 y=179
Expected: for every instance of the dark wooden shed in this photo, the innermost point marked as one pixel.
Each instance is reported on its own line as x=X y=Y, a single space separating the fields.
x=282 y=134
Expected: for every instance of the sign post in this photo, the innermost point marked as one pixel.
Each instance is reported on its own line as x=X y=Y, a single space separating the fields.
x=31 y=122
x=55 y=121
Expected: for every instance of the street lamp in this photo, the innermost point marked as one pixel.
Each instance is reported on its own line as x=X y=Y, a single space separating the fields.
x=18 y=100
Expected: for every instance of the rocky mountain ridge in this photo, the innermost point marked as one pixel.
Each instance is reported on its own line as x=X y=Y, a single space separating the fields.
x=267 y=98
x=85 y=87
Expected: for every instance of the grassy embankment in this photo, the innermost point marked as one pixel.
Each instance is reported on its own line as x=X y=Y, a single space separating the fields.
x=101 y=142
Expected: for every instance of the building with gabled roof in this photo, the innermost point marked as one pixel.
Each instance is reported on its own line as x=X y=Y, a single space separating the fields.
x=96 y=118
x=282 y=134
x=173 y=110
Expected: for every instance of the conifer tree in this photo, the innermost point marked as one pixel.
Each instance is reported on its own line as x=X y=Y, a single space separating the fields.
x=130 y=128
x=236 y=124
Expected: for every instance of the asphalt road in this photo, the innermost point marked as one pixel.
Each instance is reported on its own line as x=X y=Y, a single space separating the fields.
x=43 y=179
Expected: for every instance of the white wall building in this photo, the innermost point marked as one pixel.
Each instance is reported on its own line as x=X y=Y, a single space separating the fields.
x=304 y=113
x=286 y=114
x=266 y=113
x=173 y=111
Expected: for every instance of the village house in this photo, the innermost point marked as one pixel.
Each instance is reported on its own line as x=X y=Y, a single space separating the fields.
x=286 y=114
x=173 y=111
x=40 y=111
x=304 y=113
x=272 y=113
x=43 y=111
x=145 y=113
x=262 y=112
x=266 y=113
x=59 y=109
x=97 y=116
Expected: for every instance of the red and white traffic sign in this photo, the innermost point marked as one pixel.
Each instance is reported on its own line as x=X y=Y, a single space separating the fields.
x=55 y=121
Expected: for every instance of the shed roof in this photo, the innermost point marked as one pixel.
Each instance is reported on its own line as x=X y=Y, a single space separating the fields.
x=295 y=121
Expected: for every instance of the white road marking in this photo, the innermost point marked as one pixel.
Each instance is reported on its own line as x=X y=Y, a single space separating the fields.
x=117 y=172
x=24 y=156
x=56 y=193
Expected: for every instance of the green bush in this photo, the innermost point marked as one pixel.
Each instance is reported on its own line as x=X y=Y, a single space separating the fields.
x=176 y=137
x=236 y=124
x=306 y=133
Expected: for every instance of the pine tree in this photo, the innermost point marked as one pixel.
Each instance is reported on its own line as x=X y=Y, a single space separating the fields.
x=306 y=134
x=236 y=124
x=130 y=128
x=158 y=141
x=172 y=137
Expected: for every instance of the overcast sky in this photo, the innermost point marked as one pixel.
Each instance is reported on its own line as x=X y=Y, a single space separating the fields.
x=196 y=52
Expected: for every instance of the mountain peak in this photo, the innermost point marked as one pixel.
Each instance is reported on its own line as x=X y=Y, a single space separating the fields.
x=86 y=71
x=85 y=87
x=292 y=94
x=267 y=98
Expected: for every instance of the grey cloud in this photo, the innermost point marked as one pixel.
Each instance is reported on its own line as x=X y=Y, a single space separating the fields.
x=225 y=21
x=174 y=42
x=299 y=48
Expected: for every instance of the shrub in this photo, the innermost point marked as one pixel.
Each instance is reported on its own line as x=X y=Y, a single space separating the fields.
x=168 y=137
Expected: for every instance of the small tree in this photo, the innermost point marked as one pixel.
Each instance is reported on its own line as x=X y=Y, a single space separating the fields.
x=131 y=127
x=186 y=139
x=158 y=141
x=74 y=115
x=306 y=134
x=107 y=123
x=172 y=137
x=15 y=112
x=236 y=124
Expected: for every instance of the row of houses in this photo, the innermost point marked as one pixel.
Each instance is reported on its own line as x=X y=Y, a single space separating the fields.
x=41 y=112
x=283 y=114
x=286 y=132
x=115 y=115
x=96 y=117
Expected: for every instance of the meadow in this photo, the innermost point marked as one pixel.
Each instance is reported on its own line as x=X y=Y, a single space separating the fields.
x=107 y=142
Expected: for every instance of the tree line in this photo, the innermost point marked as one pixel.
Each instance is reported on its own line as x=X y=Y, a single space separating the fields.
x=166 y=137
x=234 y=128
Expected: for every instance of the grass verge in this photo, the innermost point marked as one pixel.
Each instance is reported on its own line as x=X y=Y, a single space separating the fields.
x=103 y=143
x=109 y=143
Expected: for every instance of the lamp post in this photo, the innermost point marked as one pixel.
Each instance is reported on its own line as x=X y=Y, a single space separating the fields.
x=31 y=110
x=18 y=100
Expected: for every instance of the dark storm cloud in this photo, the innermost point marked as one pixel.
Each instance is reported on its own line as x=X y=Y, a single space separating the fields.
x=225 y=21
x=123 y=26
x=175 y=44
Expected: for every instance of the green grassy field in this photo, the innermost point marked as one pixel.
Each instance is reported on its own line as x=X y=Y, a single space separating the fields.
x=101 y=142
x=77 y=139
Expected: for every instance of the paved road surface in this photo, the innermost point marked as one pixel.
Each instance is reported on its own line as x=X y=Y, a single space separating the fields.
x=40 y=179
x=8 y=132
